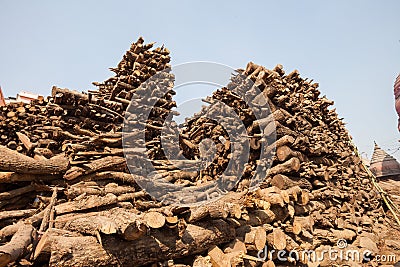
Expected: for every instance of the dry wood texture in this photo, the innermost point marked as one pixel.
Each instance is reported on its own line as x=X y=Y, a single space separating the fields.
x=63 y=175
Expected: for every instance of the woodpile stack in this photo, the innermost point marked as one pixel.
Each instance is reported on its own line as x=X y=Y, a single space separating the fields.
x=68 y=199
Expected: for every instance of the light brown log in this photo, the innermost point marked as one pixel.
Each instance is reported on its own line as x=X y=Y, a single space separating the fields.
x=284 y=182
x=16 y=248
x=13 y=161
x=256 y=238
x=284 y=152
x=279 y=239
x=25 y=141
x=92 y=188
x=292 y=165
x=13 y=177
x=10 y=214
x=154 y=219
x=218 y=258
x=158 y=246
x=49 y=209
x=125 y=222
x=110 y=162
x=230 y=204
x=86 y=203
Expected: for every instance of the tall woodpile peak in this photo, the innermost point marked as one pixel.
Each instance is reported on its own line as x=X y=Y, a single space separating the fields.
x=68 y=199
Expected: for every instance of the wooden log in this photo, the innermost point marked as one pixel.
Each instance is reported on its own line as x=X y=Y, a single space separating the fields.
x=12 y=214
x=284 y=152
x=13 y=177
x=284 y=182
x=272 y=195
x=279 y=239
x=25 y=141
x=145 y=250
x=13 y=161
x=18 y=245
x=48 y=211
x=110 y=162
x=230 y=204
x=10 y=230
x=86 y=203
x=218 y=258
x=127 y=223
x=154 y=219
x=91 y=188
x=255 y=238
x=292 y=165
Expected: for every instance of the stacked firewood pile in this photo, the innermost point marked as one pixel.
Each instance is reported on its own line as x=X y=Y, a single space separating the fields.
x=68 y=199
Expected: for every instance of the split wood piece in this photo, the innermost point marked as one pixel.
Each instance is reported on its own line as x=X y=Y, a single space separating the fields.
x=25 y=141
x=86 y=203
x=284 y=182
x=236 y=247
x=306 y=223
x=218 y=258
x=292 y=165
x=277 y=239
x=110 y=162
x=284 y=140
x=48 y=211
x=13 y=161
x=18 y=245
x=236 y=257
x=272 y=195
x=255 y=238
x=230 y=204
x=284 y=152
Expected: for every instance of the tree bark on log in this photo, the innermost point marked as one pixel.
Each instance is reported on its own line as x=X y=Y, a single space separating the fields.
x=160 y=245
x=13 y=161
x=17 y=246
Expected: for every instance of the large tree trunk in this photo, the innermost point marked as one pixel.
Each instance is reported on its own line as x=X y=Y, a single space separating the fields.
x=11 y=160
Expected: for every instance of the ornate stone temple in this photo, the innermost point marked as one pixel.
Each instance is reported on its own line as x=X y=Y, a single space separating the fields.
x=384 y=165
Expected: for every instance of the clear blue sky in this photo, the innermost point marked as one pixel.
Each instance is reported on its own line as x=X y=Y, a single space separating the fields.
x=351 y=48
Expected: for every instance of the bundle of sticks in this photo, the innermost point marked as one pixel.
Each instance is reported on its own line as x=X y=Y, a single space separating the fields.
x=67 y=196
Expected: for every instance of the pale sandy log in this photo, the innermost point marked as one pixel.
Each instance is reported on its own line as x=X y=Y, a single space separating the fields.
x=13 y=161
x=154 y=219
x=15 y=249
x=292 y=165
